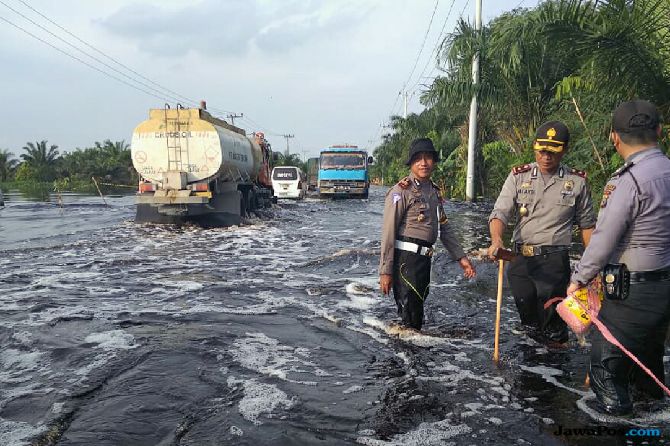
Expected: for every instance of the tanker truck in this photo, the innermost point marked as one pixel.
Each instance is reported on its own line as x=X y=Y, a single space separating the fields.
x=197 y=168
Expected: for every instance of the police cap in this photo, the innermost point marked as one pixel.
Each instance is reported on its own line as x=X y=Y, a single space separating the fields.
x=635 y=115
x=552 y=136
x=422 y=145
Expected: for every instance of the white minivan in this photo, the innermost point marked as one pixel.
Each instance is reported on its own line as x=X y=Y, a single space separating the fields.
x=289 y=182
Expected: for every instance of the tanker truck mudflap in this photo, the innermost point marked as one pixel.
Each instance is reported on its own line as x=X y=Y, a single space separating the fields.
x=198 y=168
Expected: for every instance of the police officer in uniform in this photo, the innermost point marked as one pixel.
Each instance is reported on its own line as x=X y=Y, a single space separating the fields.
x=547 y=198
x=413 y=213
x=633 y=229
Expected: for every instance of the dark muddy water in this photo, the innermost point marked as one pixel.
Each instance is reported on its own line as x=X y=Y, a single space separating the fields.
x=272 y=333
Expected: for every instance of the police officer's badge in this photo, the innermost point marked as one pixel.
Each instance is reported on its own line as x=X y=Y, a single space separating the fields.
x=606 y=194
x=526 y=185
x=551 y=133
x=569 y=185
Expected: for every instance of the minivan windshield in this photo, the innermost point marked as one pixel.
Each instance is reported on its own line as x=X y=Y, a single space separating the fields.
x=339 y=160
x=285 y=173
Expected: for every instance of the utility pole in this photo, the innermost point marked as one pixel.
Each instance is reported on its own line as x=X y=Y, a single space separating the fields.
x=287 y=138
x=404 y=98
x=232 y=117
x=472 y=134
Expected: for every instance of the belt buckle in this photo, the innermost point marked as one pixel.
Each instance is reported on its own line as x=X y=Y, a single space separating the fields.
x=430 y=252
x=527 y=251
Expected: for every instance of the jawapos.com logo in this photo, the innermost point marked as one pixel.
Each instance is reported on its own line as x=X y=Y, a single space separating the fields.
x=609 y=431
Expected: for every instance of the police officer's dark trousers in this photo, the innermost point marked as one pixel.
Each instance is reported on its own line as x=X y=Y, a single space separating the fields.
x=534 y=280
x=640 y=323
x=411 y=278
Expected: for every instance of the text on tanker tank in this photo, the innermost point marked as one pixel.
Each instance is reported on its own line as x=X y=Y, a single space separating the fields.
x=173 y=134
x=238 y=157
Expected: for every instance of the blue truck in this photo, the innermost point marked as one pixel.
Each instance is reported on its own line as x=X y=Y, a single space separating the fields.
x=343 y=172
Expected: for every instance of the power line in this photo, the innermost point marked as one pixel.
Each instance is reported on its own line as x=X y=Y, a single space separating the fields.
x=416 y=61
x=132 y=79
x=176 y=95
x=82 y=61
x=423 y=44
x=467 y=2
x=438 y=43
x=150 y=90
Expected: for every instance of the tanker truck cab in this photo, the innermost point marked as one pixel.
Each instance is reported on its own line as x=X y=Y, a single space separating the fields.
x=343 y=172
x=289 y=182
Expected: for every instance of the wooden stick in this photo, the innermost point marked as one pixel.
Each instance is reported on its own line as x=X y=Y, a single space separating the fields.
x=496 y=356
x=97 y=187
x=595 y=149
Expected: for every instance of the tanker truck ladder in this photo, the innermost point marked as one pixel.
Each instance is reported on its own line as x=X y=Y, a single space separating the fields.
x=174 y=131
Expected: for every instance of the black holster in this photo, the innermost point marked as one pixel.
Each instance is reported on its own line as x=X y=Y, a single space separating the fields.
x=616 y=281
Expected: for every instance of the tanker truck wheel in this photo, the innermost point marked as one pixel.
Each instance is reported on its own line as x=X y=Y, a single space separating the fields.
x=247 y=203
x=252 y=204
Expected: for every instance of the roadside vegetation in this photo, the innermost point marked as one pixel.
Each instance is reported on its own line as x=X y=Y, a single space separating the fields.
x=42 y=169
x=290 y=160
x=566 y=60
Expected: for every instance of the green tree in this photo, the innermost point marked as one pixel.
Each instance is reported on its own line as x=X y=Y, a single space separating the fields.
x=41 y=159
x=571 y=60
x=291 y=160
x=7 y=164
x=108 y=160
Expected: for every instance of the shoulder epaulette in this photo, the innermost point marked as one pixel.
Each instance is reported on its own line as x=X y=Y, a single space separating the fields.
x=521 y=168
x=404 y=183
x=579 y=173
x=622 y=169
x=438 y=190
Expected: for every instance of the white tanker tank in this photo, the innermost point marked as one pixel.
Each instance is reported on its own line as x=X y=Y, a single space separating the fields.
x=196 y=167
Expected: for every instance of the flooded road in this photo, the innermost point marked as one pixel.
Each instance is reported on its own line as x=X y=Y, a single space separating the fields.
x=273 y=333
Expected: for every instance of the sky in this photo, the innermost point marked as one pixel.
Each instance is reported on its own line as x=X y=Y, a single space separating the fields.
x=325 y=71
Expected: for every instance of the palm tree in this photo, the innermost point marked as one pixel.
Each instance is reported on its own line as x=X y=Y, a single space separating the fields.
x=7 y=164
x=40 y=159
x=538 y=64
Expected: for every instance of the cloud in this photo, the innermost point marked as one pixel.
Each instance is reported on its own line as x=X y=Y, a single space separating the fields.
x=323 y=23
x=231 y=27
x=210 y=27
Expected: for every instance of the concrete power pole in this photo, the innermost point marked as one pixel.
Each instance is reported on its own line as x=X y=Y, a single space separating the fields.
x=404 y=99
x=472 y=134
x=287 y=138
x=232 y=117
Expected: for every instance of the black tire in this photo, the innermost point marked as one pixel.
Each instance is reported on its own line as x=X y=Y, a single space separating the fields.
x=251 y=202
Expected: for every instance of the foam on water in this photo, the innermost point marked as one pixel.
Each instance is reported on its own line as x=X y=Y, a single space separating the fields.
x=352 y=389
x=112 y=340
x=359 y=302
x=641 y=419
x=267 y=356
x=408 y=335
x=17 y=433
x=20 y=362
x=427 y=434
x=260 y=398
x=549 y=374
